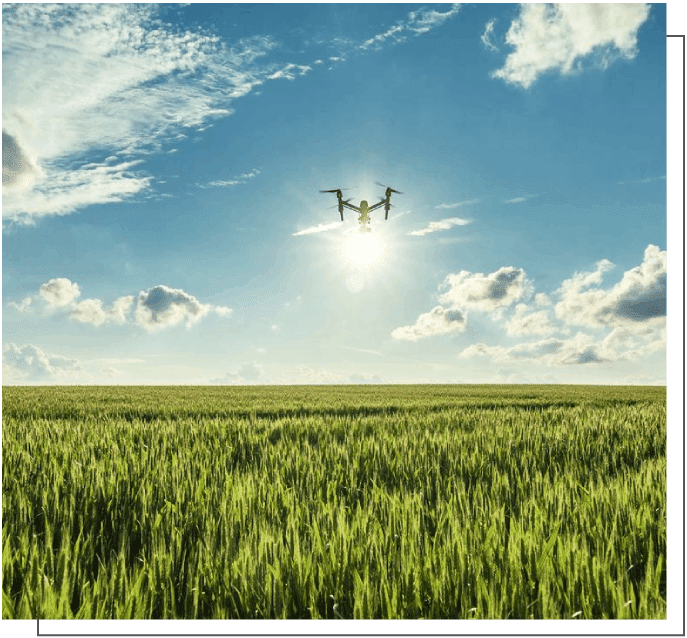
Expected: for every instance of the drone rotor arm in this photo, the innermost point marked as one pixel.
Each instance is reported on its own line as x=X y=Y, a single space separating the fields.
x=377 y=205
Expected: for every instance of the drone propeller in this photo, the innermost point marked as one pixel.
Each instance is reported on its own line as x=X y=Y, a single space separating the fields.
x=334 y=190
x=343 y=201
x=389 y=187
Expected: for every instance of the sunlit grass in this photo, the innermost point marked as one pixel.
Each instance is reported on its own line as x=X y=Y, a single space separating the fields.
x=334 y=502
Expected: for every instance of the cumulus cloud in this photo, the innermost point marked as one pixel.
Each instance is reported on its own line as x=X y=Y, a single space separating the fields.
x=23 y=306
x=438 y=321
x=627 y=321
x=524 y=322
x=92 y=311
x=30 y=363
x=576 y=350
x=442 y=224
x=161 y=307
x=59 y=292
x=88 y=87
x=640 y=297
x=487 y=293
x=158 y=307
x=320 y=228
x=562 y=37
x=488 y=34
x=542 y=299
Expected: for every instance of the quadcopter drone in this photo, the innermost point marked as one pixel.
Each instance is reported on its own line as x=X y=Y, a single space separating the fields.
x=364 y=209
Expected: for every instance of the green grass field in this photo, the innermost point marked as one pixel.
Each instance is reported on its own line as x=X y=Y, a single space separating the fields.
x=334 y=502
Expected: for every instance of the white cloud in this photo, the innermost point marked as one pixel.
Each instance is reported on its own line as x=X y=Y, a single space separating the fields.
x=59 y=292
x=19 y=170
x=621 y=344
x=247 y=374
x=487 y=293
x=111 y=372
x=241 y=179
x=92 y=311
x=542 y=299
x=518 y=200
x=559 y=37
x=30 y=363
x=576 y=350
x=310 y=376
x=364 y=378
x=320 y=228
x=289 y=72
x=158 y=307
x=161 y=307
x=87 y=87
x=442 y=224
x=22 y=306
x=532 y=323
x=640 y=297
x=416 y=23
x=456 y=204
x=488 y=34
x=438 y=321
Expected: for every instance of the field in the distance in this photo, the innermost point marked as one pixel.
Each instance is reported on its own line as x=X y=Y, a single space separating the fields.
x=334 y=502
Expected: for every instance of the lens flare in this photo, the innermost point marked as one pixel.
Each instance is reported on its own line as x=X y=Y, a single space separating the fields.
x=363 y=249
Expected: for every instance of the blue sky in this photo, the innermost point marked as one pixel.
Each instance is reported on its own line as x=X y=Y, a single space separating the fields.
x=162 y=221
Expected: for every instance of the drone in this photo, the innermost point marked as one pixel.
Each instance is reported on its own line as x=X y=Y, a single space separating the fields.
x=364 y=209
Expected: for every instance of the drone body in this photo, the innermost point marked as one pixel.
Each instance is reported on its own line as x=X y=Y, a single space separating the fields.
x=364 y=209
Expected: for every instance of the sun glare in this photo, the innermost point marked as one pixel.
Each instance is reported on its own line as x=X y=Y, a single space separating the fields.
x=363 y=248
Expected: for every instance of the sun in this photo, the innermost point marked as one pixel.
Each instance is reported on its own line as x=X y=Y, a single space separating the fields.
x=363 y=248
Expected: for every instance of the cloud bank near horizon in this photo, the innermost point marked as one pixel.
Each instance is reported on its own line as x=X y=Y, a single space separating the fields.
x=627 y=320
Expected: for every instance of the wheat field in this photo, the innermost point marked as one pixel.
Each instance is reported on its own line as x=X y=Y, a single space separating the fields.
x=334 y=502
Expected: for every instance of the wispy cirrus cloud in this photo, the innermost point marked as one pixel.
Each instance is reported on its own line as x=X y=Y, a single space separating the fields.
x=240 y=179
x=645 y=180
x=416 y=23
x=564 y=37
x=90 y=89
x=436 y=226
x=456 y=204
x=320 y=228
x=488 y=34
x=518 y=200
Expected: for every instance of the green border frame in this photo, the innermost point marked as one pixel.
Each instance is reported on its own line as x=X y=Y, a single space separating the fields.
x=674 y=626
